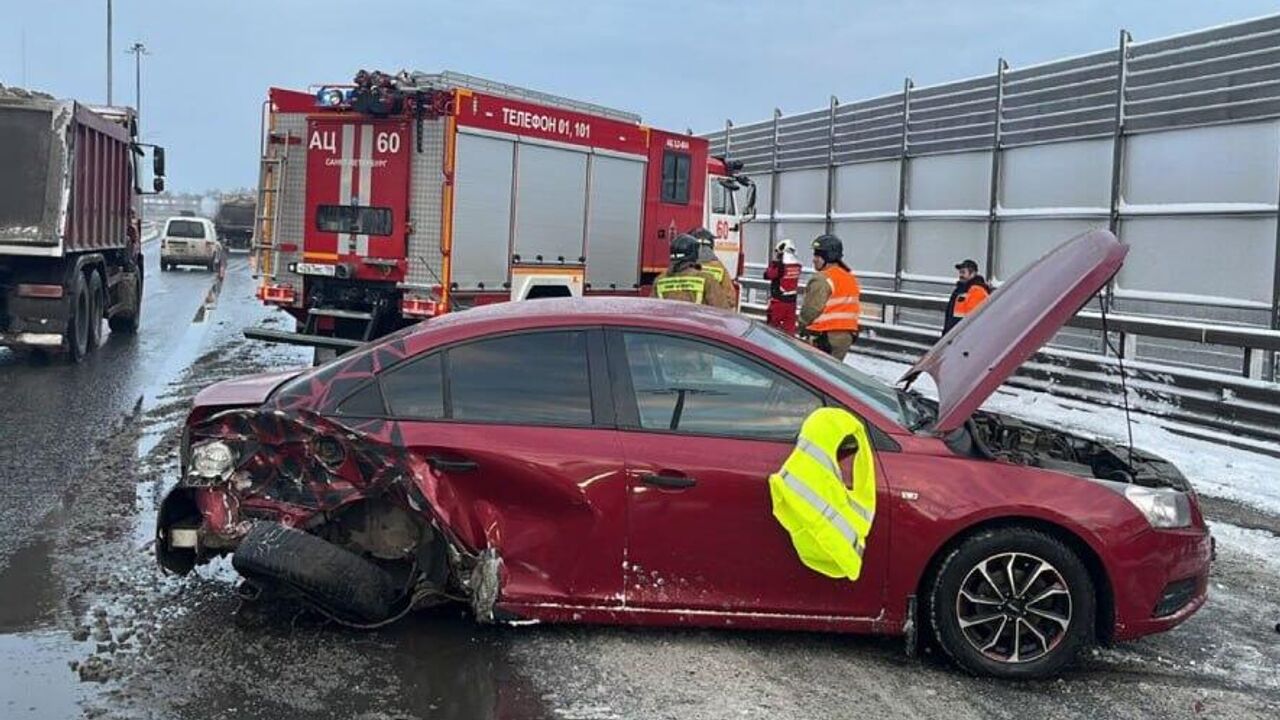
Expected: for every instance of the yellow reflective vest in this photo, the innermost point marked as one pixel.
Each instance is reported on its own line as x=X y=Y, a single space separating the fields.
x=828 y=521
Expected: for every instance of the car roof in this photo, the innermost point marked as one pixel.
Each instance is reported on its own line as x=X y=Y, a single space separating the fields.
x=558 y=312
x=187 y=218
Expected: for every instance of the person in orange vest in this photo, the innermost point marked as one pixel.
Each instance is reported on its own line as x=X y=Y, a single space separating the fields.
x=783 y=275
x=971 y=291
x=832 y=302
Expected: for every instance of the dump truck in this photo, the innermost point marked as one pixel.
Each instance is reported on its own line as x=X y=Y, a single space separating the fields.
x=235 y=220
x=70 y=222
x=397 y=198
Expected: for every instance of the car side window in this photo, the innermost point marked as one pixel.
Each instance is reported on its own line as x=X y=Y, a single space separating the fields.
x=414 y=390
x=693 y=387
x=538 y=378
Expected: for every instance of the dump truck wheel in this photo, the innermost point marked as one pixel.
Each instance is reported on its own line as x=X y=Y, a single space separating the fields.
x=332 y=579
x=128 y=321
x=97 y=303
x=77 y=333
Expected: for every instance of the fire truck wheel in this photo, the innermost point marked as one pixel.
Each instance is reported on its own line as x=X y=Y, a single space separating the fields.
x=77 y=333
x=96 y=308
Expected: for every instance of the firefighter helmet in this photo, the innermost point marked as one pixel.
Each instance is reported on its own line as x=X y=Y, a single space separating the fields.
x=704 y=237
x=684 y=249
x=829 y=248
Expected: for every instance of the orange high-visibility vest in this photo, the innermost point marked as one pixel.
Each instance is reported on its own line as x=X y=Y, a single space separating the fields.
x=969 y=301
x=844 y=306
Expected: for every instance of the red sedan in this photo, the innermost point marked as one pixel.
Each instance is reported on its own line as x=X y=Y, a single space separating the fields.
x=606 y=461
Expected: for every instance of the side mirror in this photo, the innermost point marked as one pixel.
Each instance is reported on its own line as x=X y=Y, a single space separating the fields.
x=749 y=207
x=158 y=184
x=157 y=163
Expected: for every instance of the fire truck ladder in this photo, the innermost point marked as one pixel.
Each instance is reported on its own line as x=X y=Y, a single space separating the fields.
x=270 y=179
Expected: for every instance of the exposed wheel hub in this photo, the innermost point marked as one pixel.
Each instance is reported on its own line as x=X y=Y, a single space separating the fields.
x=1014 y=607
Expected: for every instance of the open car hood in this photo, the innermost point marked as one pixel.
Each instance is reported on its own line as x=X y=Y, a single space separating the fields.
x=980 y=353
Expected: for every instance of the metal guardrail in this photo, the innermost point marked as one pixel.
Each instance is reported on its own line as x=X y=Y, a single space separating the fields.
x=1236 y=404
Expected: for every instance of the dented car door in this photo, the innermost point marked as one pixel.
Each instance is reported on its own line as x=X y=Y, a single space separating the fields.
x=523 y=457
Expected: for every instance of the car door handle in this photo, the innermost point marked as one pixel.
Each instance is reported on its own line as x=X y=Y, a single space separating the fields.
x=440 y=464
x=670 y=481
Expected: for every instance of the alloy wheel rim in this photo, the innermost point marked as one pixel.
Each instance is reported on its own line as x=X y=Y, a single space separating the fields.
x=1014 y=607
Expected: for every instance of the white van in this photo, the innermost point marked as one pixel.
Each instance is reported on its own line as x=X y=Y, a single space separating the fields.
x=189 y=241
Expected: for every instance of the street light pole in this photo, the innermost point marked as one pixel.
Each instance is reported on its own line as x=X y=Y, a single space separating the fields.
x=108 y=52
x=137 y=50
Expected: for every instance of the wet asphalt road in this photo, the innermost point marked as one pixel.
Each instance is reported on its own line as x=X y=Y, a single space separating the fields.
x=90 y=628
x=50 y=410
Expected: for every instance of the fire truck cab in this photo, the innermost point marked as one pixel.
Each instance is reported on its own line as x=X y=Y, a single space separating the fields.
x=398 y=198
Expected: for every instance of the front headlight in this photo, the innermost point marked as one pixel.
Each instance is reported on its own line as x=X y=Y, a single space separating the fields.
x=212 y=461
x=1162 y=507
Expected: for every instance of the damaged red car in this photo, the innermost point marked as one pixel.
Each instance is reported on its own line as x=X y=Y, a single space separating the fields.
x=607 y=461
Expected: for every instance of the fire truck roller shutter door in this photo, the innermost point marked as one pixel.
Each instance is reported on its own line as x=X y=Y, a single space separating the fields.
x=551 y=202
x=614 y=214
x=482 y=211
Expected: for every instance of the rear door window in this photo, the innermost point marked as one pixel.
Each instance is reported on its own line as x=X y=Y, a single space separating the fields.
x=537 y=378
x=185 y=229
x=414 y=390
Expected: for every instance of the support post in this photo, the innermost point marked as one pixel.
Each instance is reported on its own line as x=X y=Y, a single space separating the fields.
x=994 y=206
x=831 y=166
x=773 y=184
x=901 y=239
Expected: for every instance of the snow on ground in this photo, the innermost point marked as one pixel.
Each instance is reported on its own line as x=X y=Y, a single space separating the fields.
x=1214 y=469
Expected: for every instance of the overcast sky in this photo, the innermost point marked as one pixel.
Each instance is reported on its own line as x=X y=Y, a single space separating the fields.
x=679 y=64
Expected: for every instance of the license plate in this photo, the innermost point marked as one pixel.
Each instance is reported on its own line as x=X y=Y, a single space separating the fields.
x=316 y=269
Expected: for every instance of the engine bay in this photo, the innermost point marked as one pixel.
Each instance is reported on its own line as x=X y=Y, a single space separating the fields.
x=1006 y=439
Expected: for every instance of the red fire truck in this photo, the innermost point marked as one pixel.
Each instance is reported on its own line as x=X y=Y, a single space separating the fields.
x=398 y=198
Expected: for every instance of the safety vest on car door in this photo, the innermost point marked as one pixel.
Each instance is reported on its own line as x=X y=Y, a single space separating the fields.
x=828 y=522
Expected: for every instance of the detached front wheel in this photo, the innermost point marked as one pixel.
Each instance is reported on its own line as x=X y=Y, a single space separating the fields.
x=1012 y=603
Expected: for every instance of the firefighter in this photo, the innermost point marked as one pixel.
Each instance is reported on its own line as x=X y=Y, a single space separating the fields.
x=783 y=275
x=712 y=266
x=684 y=278
x=831 y=307
x=970 y=292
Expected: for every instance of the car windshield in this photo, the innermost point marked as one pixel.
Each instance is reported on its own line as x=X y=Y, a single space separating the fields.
x=185 y=229
x=897 y=405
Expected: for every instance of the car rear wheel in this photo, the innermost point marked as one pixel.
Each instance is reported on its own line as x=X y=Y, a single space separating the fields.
x=1012 y=603
x=337 y=582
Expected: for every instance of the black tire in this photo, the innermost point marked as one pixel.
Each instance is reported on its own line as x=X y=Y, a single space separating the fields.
x=76 y=336
x=128 y=321
x=1012 y=654
x=97 y=305
x=320 y=573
